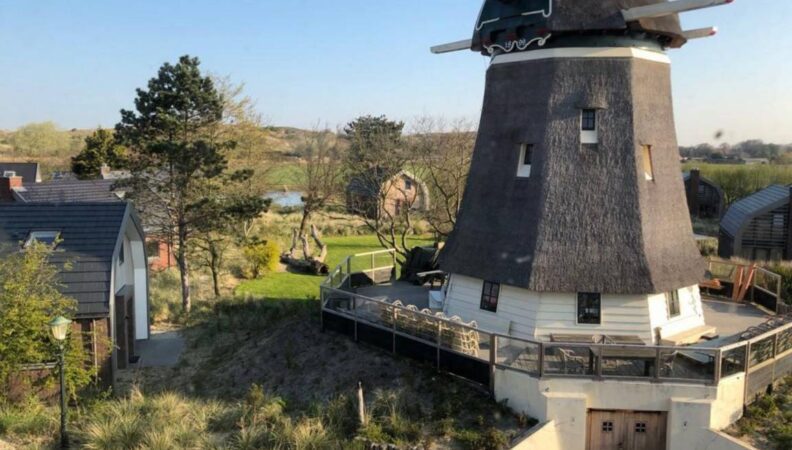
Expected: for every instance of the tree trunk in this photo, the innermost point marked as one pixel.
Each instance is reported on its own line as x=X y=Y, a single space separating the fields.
x=304 y=222
x=184 y=269
x=214 y=266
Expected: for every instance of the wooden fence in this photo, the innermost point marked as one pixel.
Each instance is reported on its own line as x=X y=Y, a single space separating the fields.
x=474 y=354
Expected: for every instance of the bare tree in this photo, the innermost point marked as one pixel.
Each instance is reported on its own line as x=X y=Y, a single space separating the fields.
x=441 y=153
x=323 y=173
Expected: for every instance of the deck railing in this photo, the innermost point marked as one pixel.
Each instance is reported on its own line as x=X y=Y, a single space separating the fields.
x=476 y=354
x=764 y=287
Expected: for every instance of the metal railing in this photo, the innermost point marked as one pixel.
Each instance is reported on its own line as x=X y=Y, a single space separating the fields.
x=764 y=288
x=458 y=347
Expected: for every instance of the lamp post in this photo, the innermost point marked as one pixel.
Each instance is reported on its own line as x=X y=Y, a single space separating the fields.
x=60 y=328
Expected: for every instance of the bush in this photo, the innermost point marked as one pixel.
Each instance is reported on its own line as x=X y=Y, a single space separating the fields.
x=707 y=247
x=165 y=296
x=262 y=257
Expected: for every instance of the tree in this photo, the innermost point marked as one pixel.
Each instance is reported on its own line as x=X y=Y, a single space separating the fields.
x=178 y=158
x=36 y=139
x=29 y=299
x=371 y=139
x=442 y=154
x=376 y=157
x=323 y=173
x=100 y=149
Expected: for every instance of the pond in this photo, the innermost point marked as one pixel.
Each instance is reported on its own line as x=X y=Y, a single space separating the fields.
x=285 y=198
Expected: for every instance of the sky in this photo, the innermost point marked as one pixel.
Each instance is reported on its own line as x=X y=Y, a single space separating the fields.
x=320 y=62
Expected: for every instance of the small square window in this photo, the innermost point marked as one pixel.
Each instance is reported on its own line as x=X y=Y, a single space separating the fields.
x=672 y=302
x=588 y=120
x=589 y=308
x=43 y=237
x=527 y=154
x=607 y=426
x=408 y=184
x=489 y=296
x=640 y=427
x=121 y=255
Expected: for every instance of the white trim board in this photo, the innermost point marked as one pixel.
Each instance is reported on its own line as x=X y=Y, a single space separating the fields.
x=582 y=52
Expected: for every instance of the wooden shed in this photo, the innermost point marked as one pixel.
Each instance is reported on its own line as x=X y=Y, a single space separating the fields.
x=704 y=197
x=757 y=227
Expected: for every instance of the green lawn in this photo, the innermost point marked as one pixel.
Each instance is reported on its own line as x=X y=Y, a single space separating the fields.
x=286 y=174
x=295 y=286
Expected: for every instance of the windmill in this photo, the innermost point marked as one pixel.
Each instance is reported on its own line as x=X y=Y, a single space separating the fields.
x=574 y=218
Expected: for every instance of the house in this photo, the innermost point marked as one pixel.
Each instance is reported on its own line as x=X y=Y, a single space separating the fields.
x=102 y=242
x=379 y=192
x=704 y=198
x=757 y=227
x=30 y=172
x=160 y=250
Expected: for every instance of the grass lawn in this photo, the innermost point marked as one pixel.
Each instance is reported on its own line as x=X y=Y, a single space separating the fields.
x=287 y=285
x=288 y=174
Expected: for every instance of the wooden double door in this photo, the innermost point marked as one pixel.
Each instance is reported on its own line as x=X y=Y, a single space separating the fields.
x=626 y=430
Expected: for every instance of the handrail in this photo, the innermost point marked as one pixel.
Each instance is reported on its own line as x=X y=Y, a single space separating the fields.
x=345 y=262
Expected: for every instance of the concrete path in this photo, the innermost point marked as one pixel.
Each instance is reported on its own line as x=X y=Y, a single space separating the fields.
x=163 y=349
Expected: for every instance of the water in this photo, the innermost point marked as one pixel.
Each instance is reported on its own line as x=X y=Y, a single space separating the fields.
x=285 y=199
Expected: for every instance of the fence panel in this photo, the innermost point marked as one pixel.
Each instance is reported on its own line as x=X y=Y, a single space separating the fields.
x=518 y=355
x=688 y=364
x=757 y=382
x=565 y=359
x=761 y=351
x=733 y=361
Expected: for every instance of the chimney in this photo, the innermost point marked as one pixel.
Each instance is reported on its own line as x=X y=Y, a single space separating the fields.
x=692 y=194
x=104 y=171
x=8 y=183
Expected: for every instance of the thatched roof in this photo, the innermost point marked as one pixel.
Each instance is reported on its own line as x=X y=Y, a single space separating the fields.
x=586 y=220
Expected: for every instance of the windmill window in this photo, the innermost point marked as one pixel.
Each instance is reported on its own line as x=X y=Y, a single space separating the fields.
x=588 y=120
x=121 y=255
x=526 y=160
x=589 y=308
x=648 y=166
x=588 y=127
x=672 y=302
x=489 y=296
x=43 y=237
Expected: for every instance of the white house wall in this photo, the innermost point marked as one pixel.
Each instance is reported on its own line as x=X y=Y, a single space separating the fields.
x=534 y=315
x=132 y=272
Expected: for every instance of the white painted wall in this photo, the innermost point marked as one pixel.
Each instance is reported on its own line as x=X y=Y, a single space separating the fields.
x=133 y=272
x=693 y=410
x=535 y=315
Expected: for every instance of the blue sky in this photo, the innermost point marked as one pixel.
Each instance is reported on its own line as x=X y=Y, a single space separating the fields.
x=308 y=61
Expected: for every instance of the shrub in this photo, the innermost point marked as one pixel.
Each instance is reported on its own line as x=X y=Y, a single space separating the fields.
x=707 y=247
x=262 y=257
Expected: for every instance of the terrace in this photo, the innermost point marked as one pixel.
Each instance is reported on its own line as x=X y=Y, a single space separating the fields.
x=360 y=299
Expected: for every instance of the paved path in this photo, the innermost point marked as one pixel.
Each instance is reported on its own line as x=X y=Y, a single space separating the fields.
x=163 y=349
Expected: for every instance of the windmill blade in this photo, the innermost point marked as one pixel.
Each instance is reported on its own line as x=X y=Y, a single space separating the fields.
x=452 y=47
x=668 y=8
x=699 y=33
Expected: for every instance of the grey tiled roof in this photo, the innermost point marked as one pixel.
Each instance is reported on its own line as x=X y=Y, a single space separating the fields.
x=28 y=171
x=744 y=210
x=89 y=232
x=69 y=191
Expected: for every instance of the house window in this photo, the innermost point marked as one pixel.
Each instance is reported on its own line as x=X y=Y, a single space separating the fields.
x=589 y=306
x=588 y=127
x=672 y=302
x=526 y=159
x=408 y=184
x=152 y=249
x=489 y=296
x=648 y=167
x=44 y=237
x=121 y=255
x=588 y=120
x=607 y=426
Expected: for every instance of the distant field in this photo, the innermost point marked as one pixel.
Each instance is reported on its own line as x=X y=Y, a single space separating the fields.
x=738 y=181
x=287 y=285
x=286 y=174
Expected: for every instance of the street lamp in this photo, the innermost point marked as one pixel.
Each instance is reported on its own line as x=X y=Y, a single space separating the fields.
x=60 y=327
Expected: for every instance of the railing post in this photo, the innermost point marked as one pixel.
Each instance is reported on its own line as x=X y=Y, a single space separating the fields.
x=493 y=359
x=395 y=316
x=718 y=363
x=541 y=359
x=657 y=364
x=775 y=354
x=599 y=360
x=354 y=308
x=321 y=307
x=747 y=370
x=439 y=336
